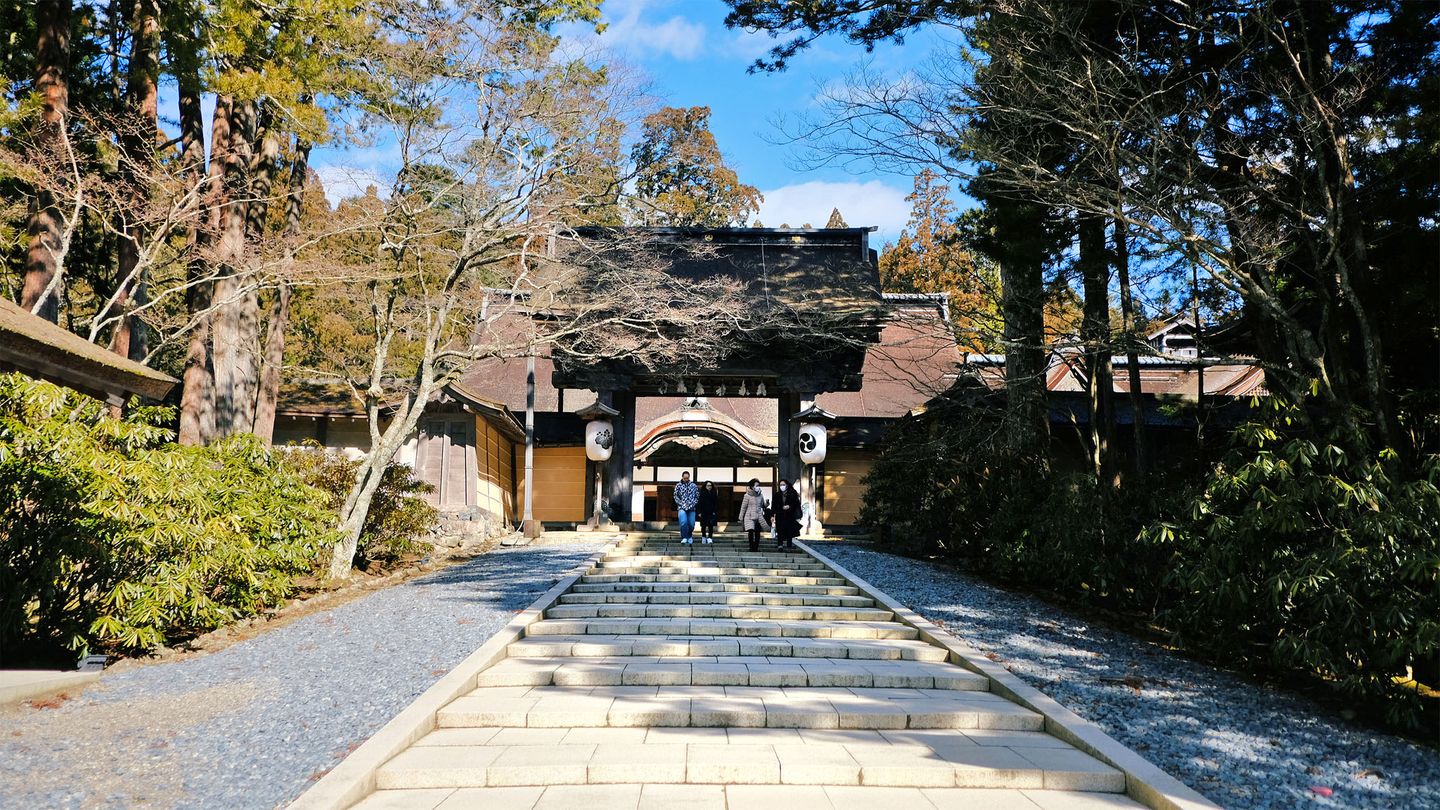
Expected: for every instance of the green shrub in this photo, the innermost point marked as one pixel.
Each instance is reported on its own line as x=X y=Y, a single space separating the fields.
x=397 y=518
x=1294 y=555
x=114 y=538
x=945 y=485
x=1302 y=555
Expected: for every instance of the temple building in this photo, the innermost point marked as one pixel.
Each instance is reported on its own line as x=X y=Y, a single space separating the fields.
x=737 y=417
x=882 y=356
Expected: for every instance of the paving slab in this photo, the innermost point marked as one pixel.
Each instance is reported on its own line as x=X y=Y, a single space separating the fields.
x=708 y=677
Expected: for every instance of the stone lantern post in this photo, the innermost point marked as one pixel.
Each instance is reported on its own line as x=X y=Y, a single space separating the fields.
x=811 y=444
x=600 y=439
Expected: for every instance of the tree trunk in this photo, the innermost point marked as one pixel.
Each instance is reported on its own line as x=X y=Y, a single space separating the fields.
x=1348 y=249
x=197 y=401
x=137 y=139
x=356 y=508
x=1132 y=356
x=52 y=62
x=372 y=469
x=1022 y=297
x=236 y=309
x=267 y=401
x=1095 y=334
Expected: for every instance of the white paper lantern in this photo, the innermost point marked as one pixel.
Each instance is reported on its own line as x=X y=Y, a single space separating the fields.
x=599 y=439
x=811 y=443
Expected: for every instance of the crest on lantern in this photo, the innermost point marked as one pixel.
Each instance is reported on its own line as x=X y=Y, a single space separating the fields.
x=599 y=430
x=811 y=441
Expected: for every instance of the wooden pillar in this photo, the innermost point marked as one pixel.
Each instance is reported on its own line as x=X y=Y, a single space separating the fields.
x=788 y=461
x=620 y=469
x=810 y=500
x=791 y=467
x=529 y=526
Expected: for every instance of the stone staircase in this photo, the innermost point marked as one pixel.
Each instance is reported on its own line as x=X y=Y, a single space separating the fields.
x=711 y=676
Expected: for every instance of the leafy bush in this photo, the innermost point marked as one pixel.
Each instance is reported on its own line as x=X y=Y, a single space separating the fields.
x=113 y=537
x=1294 y=555
x=946 y=485
x=1303 y=555
x=397 y=518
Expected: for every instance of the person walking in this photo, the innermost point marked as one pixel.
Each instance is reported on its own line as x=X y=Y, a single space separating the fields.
x=687 y=495
x=752 y=514
x=707 y=512
x=787 y=515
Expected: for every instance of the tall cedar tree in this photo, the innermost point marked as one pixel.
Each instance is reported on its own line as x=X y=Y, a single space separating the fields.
x=930 y=256
x=681 y=178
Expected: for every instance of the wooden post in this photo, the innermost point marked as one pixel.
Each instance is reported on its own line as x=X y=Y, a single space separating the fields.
x=620 y=469
x=788 y=404
x=528 y=525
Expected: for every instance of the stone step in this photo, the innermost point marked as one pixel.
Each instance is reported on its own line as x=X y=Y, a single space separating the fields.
x=450 y=758
x=733 y=706
x=724 y=649
x=713 y=570
x=722 y=627
x=770 y=554
x=737 y=797
x=619 y=593
x=734 y=579
x=750 y=595
x=754 y=671
x=662 y=611
x=636 y=584
x=791 y=559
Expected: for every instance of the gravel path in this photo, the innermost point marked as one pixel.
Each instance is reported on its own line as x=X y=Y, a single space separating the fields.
x=1242 y=745
x=252 y=725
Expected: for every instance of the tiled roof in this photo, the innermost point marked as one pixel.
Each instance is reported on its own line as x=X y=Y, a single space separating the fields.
x=42 y=349
x=915 y=360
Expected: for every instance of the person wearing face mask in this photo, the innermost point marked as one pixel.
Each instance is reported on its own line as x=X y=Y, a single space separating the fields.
x=752 y=514
x=707 y=512
x=787 y=515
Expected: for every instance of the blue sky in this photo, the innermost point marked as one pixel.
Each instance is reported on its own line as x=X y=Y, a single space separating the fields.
x=691 y=59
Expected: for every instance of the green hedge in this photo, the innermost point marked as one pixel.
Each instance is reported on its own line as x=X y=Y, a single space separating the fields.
x=114 y=538
x=1293 y=555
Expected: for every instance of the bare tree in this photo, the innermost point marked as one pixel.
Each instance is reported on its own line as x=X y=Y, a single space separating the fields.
x=491 y=125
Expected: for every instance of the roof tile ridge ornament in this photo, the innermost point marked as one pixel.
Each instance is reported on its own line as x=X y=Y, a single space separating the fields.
x=814 y=413
x=597 y=410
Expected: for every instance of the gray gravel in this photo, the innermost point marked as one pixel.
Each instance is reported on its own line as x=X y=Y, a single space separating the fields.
x=1240 y=744
x=251 y=726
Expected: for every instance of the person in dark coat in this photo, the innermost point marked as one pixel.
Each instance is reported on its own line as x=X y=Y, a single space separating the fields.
x=707 y=512
x=787 y=515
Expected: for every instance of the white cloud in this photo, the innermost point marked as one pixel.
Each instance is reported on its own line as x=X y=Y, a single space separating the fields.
x=861 y=204
x=631 y=28
x=751 y=45
x=343 y=181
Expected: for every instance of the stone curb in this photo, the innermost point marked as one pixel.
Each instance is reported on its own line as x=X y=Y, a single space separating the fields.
x=25 y=684
x=354 y=778
x=1144 y=782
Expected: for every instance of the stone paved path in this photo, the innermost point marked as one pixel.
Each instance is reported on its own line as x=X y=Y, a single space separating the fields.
x=707 y=676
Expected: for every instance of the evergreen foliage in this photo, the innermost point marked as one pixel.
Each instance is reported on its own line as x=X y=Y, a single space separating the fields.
x=681 y=178
x=114 y=538
x=1301 y=554
x=397 y=518
x=1291 y=556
